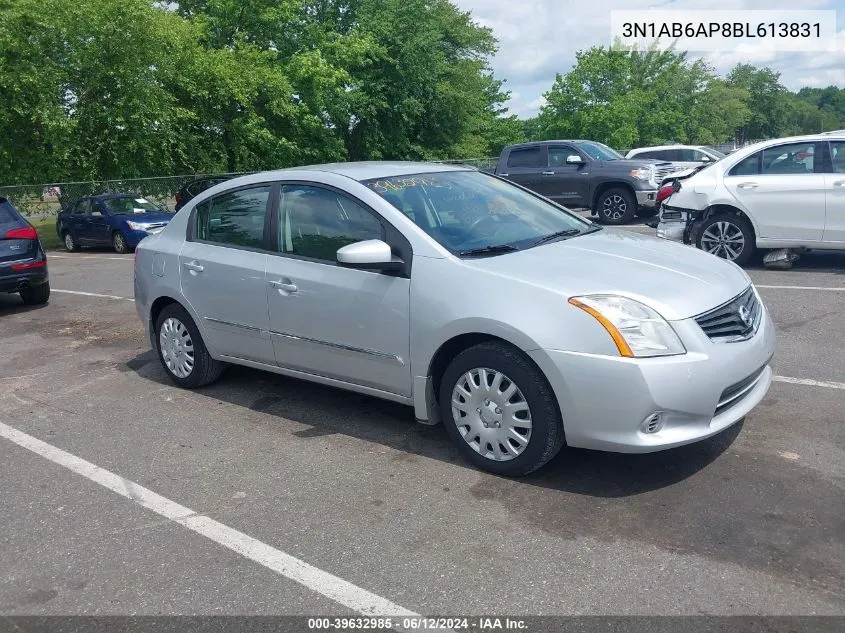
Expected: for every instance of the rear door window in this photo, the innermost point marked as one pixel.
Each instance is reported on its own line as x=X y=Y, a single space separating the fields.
x=794 y=158
x=528 y=157
x=237 y=218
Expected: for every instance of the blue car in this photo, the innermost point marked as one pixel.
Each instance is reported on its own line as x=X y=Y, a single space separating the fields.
x=119 y=220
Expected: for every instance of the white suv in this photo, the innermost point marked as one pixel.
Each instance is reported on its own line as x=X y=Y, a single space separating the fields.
x=782 y=193
x=682 y=156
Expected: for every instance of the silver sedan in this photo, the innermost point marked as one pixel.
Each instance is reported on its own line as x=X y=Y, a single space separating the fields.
x=517 y=324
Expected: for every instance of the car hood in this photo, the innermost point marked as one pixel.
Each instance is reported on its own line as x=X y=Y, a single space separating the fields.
x=676 y=280
x=146 y=217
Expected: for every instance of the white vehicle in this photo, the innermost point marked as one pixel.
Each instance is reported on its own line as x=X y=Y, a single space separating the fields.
x=781 y=193
x=681 y=156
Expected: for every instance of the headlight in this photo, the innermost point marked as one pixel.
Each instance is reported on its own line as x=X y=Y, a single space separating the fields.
x=637 y=330
x=643 y=173
x=136 y=226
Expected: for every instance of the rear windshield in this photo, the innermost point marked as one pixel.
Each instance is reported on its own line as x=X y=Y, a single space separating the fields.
x=7 y=212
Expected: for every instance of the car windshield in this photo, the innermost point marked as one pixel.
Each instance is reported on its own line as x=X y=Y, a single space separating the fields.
x=598 y=151
x=473 y=213
x=715 y=153
x=120 y=206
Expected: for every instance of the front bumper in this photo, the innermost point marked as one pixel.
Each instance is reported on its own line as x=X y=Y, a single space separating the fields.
x=606 y=401
x=646 y=198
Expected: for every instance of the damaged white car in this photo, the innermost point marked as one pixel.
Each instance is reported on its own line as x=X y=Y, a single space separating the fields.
x=786 y=193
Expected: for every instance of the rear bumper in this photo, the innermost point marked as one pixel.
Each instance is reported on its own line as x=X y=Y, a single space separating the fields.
x=14 y=281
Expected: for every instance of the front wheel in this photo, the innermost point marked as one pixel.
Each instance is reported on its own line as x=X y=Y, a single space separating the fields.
x=119 y=243
x=727 y=236
x=499 y=410
x=181 y=349
x=616 y=206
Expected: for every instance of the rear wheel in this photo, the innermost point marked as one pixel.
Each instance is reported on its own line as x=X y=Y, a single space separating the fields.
x=181 y=349
x=119 y=243
x=727 y=236
x=616 y=206
x=70 y=243
x=36 y=295
x=499 y=410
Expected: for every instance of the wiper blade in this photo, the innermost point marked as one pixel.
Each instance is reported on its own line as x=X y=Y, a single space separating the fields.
x=557 y=234
x=501 y=248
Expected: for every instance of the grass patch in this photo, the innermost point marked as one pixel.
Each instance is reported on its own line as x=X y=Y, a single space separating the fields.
x=46 y=228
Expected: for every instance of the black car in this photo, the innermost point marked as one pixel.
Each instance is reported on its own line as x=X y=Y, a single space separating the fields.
x=194 y=188
x=23 y=263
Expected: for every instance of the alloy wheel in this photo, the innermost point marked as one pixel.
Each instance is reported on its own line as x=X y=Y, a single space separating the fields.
x=723 y=239
x=492 y=414
x=177 y=348
x=614 y=207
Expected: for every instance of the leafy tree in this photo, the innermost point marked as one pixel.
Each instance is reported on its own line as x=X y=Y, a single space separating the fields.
x=627 y=98
x=768 y=101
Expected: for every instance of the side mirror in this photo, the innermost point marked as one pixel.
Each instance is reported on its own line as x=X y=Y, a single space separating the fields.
x=369 y=255
x=574 y=159
x=705 y=158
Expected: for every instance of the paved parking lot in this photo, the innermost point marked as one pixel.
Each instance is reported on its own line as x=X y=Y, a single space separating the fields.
x=281 y=480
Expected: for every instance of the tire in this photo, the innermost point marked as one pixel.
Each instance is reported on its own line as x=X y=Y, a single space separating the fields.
x=647 y=212
x=36 y=295
x=203 y=369
x=616 y=206
x=118 y=241
x=503 y=367
x=70 y=243
x=727 y=236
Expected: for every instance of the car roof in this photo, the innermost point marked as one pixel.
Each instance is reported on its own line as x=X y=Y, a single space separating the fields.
x=365 y=170
x=674 y=146
x=110 y=196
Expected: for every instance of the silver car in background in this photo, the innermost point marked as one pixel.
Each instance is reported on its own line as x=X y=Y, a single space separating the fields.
x=517 y=324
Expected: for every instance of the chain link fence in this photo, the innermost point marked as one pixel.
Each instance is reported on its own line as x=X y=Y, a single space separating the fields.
x=48 y=199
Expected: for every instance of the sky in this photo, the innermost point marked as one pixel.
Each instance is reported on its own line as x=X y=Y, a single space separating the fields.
x=539 y=38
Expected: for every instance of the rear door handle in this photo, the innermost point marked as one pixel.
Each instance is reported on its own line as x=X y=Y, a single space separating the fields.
x=839 y=183
x=194 y=266
x=548 y=173
x=747 y=185
x=284 y=286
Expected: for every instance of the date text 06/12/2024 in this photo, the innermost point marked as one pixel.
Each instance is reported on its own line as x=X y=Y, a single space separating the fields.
x=417 y=623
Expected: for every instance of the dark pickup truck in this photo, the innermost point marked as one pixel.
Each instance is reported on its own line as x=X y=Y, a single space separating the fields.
x=586 y=174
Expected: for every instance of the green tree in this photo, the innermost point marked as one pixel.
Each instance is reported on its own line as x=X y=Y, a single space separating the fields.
x=627 y=98
x=768 y=101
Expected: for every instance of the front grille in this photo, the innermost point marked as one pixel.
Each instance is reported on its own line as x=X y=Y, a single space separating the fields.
x=737 y=320
x=735 y=393
x=661 y=171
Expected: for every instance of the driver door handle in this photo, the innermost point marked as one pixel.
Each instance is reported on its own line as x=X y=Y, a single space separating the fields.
x=548 y=173
x=287 y=287
x=839 y=183
x=194 y=266
x=747 y=185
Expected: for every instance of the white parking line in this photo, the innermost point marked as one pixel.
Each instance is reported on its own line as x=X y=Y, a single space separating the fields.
x=90 y=294
x=122 y=259
x=831 y=288
x=284 y=564
x=809 y=383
